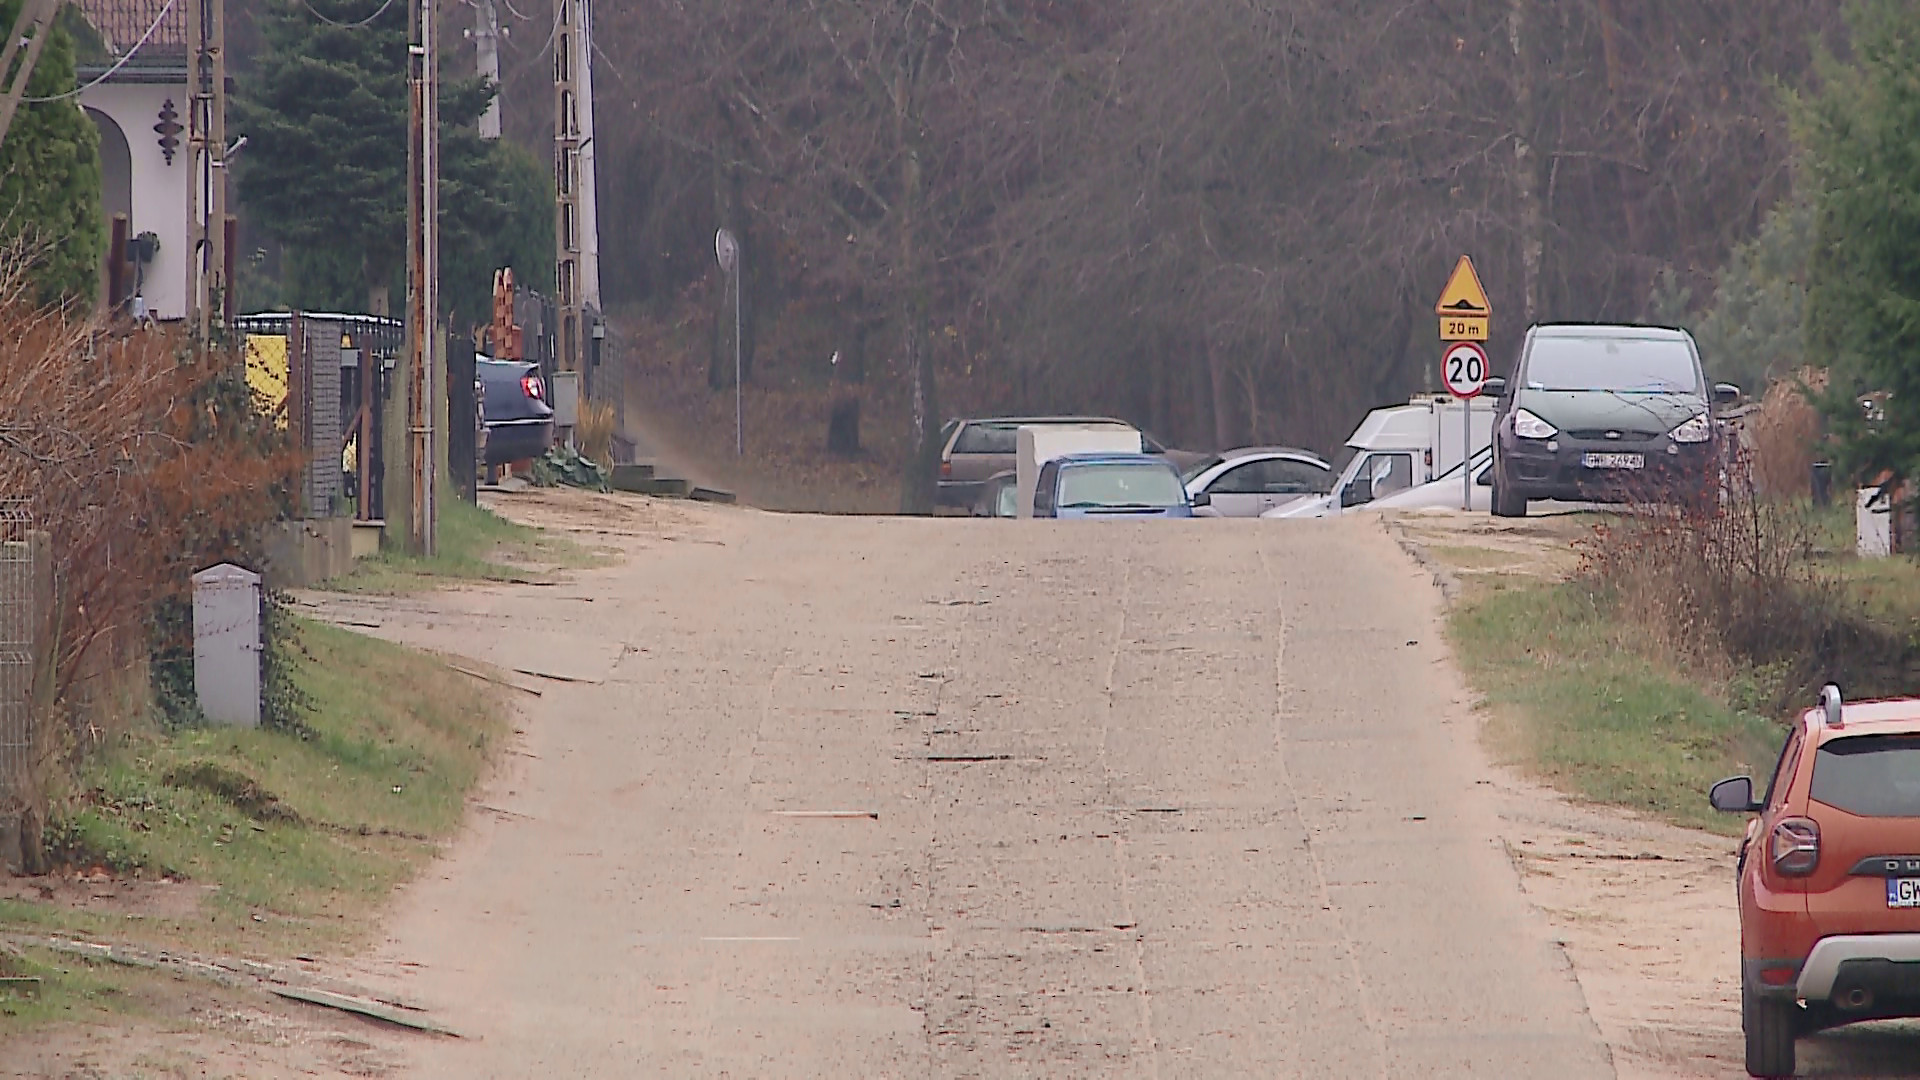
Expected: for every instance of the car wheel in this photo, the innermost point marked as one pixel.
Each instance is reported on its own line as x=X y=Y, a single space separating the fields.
x=1505 y=503
x=1771 y=1027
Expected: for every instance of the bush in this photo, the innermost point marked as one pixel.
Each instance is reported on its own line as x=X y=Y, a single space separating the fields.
x=1726 y=584
x=1784 y=435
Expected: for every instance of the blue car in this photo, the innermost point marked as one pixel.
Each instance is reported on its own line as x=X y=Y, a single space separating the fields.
x=1112 y=486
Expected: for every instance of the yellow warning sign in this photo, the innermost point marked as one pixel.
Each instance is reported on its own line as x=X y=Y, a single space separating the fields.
x=1463 y=297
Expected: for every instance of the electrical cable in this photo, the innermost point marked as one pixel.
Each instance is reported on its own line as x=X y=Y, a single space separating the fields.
x=109 y=73
x=308 y=4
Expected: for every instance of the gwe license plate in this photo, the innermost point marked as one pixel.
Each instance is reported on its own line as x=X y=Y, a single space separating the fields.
x=1614 y=461
x=1903 y=892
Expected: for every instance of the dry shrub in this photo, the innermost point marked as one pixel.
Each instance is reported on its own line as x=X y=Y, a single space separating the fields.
x=1725 y=585
x=594 y=430
x=1783 y=435
x=142 y=457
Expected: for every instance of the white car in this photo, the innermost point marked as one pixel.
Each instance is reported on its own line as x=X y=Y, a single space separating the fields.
x=1387 y=474
x=1250 y=482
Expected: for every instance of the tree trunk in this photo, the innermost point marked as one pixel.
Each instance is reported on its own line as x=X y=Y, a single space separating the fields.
x=379 y=297
x=856 y=325
x=918 y=486
x=1222 y=407
x=1525 y=166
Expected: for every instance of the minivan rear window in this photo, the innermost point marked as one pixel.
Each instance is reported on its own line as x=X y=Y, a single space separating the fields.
x=988 y=439
x=1869 y=775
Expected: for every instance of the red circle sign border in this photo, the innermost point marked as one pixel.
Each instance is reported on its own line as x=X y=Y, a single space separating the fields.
x=1484 y=366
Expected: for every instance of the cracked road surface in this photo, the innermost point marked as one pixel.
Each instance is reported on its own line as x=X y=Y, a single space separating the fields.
x=905 y=798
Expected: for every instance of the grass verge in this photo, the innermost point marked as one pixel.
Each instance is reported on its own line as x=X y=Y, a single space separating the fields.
x=287 y=840
x=1575 y=703
x=475 y=545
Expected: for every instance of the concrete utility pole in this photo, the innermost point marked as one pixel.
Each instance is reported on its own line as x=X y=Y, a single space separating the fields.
x=208 y=286
x=486 y=62
x=566 y=172
x=576 y=220
x=423 y=275
x=589 y=193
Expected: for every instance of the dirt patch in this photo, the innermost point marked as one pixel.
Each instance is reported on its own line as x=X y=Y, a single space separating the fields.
x=613 y=523
x=133 y=900
x=206 y=1037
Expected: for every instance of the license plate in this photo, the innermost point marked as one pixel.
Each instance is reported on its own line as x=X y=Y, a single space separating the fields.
x=1614 y=461
x=1903 y=892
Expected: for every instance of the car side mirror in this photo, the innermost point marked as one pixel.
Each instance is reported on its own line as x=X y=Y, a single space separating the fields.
x=1202 y=499
x=1496 y=388
x=1726 y=394
x=1734 y=796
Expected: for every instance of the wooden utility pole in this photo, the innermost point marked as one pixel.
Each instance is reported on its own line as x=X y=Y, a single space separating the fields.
x=30 y=31
x=423 y=278
x=208 y=284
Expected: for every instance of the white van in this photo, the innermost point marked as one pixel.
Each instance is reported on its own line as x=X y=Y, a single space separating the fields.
x=1403 y=447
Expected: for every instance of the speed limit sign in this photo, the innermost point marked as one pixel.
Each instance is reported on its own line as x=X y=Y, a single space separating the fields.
x=1464 y=367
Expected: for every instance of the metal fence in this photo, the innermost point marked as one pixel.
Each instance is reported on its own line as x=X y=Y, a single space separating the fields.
x=18 y=624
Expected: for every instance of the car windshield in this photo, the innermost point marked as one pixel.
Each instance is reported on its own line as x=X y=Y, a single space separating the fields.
x=1084 y=487
x=1619 y=364
x=1870 y=775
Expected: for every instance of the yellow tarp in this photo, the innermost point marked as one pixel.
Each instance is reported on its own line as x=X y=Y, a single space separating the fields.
x=267 y=373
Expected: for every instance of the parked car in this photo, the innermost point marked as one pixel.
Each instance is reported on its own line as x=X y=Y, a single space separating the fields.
x=973 y=450
x=1111 y=486
x=1248 y=483
x=1829 y=877
x=999 y=496
x=1606 y=413
x=519 y=419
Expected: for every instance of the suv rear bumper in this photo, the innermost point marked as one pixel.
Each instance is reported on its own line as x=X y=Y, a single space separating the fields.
x=1822 y=971
x=959 y=493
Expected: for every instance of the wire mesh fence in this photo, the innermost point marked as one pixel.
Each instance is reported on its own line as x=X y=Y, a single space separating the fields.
x=18 y=623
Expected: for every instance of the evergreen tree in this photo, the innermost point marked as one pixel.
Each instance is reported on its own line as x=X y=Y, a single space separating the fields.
x=1864 y=300
x=325 y=172
x=50 y=176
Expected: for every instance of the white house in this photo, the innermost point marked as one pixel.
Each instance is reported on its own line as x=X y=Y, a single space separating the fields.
x=139 y=98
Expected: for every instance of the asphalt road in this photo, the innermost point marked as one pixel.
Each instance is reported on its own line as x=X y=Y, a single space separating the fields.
x=893 y=798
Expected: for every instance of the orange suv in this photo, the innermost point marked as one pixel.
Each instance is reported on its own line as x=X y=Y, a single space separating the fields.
x=1830 y=877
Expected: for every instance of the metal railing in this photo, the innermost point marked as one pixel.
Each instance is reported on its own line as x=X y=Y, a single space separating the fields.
x=19 y=623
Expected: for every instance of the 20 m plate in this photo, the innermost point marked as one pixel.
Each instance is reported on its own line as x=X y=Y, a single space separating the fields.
x=1903 y=892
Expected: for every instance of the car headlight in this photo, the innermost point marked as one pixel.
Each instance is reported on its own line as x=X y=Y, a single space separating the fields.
x=1528 y=426
x=1697 y=430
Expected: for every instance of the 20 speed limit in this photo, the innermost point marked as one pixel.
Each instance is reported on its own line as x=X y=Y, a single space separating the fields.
x=1464 y=368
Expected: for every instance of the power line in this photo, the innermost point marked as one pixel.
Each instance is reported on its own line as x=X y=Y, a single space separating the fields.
x=109 y=73
x=345 y=25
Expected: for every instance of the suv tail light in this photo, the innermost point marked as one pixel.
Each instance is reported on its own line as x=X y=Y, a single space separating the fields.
x=1795 y=847
x=946 y=470
x=532 y=387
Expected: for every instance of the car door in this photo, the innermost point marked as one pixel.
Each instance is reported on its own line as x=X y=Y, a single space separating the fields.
x=1379 y=475
x=1290 y=479
x=1241 y=491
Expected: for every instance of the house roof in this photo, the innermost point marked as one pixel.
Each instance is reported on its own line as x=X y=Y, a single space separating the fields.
x=122 y=23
